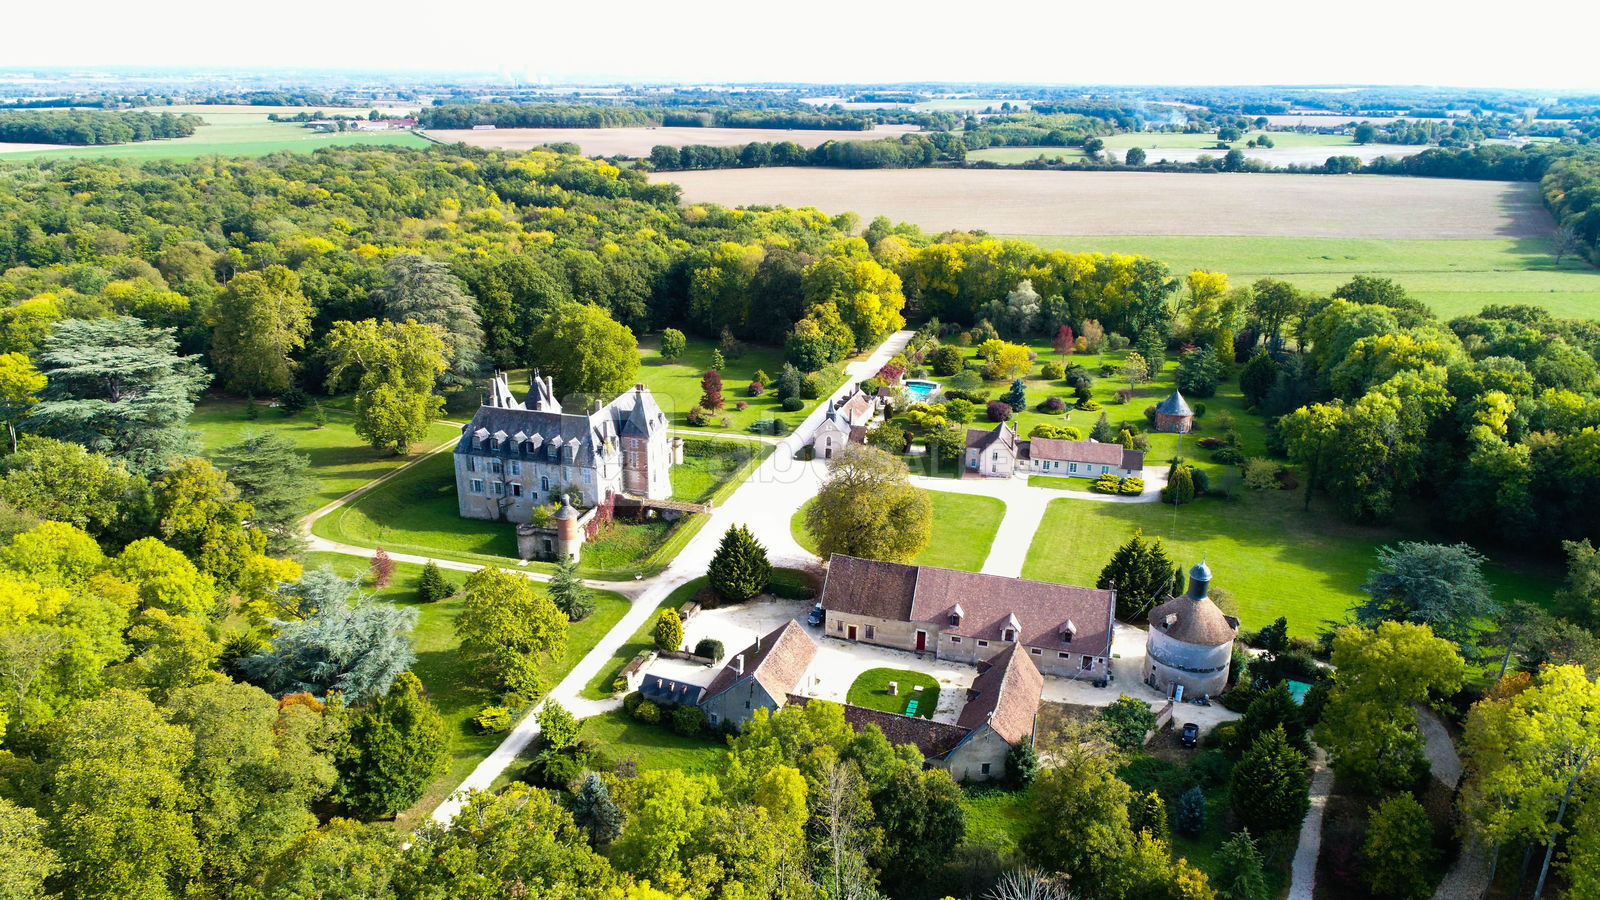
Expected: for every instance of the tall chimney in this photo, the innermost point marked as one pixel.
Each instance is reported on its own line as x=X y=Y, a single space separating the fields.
x=738 y=664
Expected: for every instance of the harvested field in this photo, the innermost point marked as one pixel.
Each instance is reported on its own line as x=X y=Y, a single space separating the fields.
x=1145 y=203
x=639 y=141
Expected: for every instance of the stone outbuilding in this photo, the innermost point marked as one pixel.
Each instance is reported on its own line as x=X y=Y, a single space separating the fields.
x=993 y=453
x=761 y=676
x=1191 y=641
x=1173 y=415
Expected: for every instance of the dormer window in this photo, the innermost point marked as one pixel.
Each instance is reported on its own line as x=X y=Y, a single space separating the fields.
x=955 y=615
x=1009 y=636
x=1068 y=631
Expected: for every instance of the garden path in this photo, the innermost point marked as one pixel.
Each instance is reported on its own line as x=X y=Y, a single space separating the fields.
x=1303 y=875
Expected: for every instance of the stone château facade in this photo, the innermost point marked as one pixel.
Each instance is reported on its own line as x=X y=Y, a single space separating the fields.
x=518 y=455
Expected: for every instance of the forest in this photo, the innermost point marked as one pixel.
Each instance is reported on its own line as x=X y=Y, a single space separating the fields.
x=550 y=115
x=89 y=127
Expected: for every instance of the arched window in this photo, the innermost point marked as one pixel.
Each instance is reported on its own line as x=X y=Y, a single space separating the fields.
x=544 y=482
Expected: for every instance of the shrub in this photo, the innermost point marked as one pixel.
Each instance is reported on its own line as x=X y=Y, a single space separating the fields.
x=688 y=720
x=432 y=586
x=492 y=720
x=1117 y=342
x=1022 y=764
x=1054 y=405
x=761 y=377
x=1107 y=484
x=998 y=410
x=1210 y=443
x=1132 y=486
x=811 y=386
x=672 y=343
x=668 y=632
x=1199 y=410
x=632 y=701
x=553 y=770
x=710 y=648
x=1192 y=812
x=1150 y=415
x=1050 y=371
x=698 y=416
x=648 y=713
x=618 y=686
x=793 y=404
x=741 y=406
x=1261 y=474
x=1202 y=481
x=1089 y=405
x=945 y=361
x=958 y=410
x=1229 y=456
x=755 y=389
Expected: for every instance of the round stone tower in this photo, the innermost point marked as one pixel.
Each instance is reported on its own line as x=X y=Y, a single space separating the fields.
x=1173 y=415
x=569 y=534
x=1191 y=641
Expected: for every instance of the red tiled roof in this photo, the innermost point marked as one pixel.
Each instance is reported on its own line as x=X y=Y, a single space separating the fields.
x=932 y=739
x=988 y=603
x=1005 y=695
x=777 y=660
x=1091 y=452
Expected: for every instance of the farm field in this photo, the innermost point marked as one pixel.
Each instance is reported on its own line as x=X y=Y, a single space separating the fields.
x=1288 y=147
x=1143 y=203
x=964 y=526
x=1256 y=545
x=639 y=141
x=1454 y=277
x=232 y=130
x=340 y=460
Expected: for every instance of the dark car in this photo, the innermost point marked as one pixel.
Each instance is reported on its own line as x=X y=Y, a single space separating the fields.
x=816 y=615
x=1190 y=734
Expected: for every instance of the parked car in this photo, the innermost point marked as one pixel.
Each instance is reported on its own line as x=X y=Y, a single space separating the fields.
x=1190 y=735
x=816 y=615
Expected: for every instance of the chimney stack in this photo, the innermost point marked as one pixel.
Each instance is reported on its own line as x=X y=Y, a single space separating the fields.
x=738 y=664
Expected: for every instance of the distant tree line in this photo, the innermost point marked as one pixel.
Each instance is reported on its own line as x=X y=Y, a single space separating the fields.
x=909 y=151
x=89 y=127
x=556 y=115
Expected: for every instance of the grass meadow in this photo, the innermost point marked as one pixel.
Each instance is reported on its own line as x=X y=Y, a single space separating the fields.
x=451 y=685
x=234 y=131
x=340 y=460
x=1454 y=277
x=675 y=383
x=964 y=526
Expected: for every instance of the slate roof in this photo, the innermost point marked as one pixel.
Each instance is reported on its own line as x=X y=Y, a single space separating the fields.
x=932 y=739
x=982 y=439
x=1005 y=696
x=1092 y=452
x=1174 y=405
x=776 y=660
x=546 y=433
x=668 y=690
x=987 y=603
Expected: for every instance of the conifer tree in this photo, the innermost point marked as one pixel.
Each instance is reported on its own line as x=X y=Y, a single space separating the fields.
x=1269 y=788
x=568 y=591
x=397 y=745
x=1142 y=574
x=432 y=586
x=740 y=569
x=1017 y=396
x=1192 y=811
x=595 y=811
x=271 y=475
x=1241 y=871
x=669 y=631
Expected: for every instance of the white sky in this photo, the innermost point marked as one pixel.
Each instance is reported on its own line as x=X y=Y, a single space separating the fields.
x=1422 y=42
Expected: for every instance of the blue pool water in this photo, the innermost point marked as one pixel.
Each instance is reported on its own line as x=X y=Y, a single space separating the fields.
x=919 y=390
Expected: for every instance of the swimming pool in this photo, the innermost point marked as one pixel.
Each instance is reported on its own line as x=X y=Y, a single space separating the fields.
x=921 y=390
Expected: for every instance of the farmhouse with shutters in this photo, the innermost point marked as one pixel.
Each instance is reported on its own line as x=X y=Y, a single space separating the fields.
x=969 y=617
x=515 y=456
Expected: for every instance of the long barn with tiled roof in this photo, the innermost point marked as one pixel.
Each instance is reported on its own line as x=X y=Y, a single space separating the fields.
x=969 y=617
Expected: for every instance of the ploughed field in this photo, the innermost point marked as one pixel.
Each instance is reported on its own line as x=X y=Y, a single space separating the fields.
x=640 y=141
x=1143 y=203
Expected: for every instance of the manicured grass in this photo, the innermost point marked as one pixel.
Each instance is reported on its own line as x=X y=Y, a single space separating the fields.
x=871 y=690
x=708 y=464
x=1273 y=558
x=653 y=746
x=995 y=816
x=1454 y=277
x=235 y=132
x=964 y=526
x=1079 y=485
x=599 y=687
x=451 y=684
x=340 y=460
x=675 y=383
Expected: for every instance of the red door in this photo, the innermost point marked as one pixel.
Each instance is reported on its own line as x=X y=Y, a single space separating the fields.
x=922 y=640
x=852 y=632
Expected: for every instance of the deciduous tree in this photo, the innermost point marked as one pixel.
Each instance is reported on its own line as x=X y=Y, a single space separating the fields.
x=393 y=367
x=416 y=289
x=507 y=626
x=1398 y=849
x=20 y=384
x=397 y=745
x=585 y=350
x=259 y=320
x=868 y=508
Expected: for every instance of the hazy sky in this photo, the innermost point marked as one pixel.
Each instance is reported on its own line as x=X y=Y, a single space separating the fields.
x=1159 y=42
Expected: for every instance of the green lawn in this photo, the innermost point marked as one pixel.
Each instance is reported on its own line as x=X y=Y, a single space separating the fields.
x=653 y=746
x=452 y=687
x=996 y=817
x=676 y=383
x=340 y=460
x=1454 y=277
x=1080 y=485
x=871 y=690
x=964 y=526
x=708 y=464
x=1272 y=558
x=236 y=132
